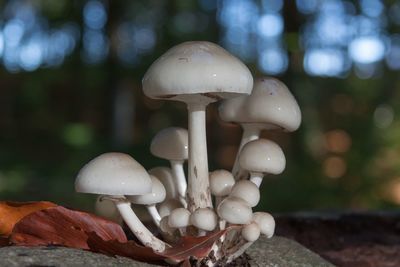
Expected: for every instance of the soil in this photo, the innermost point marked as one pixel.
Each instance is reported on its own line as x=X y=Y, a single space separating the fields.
x=356 y=240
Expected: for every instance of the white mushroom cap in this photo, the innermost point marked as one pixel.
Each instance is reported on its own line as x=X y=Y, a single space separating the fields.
x=113 y=174
x=164 y=174
x=164 y=226
x=156 y=195
x=270 y=104
x=247 y=191
x=251 y=232
x=197 y=68
x=262 y=156
x=106 y=208
x=179 y=218
x=234 y=210
x=204 y=219
x=171 y=144
x=167 y=206
x=266 y=223
x=221 y=182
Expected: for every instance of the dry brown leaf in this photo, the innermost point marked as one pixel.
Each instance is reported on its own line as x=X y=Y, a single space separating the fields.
x=13 y=212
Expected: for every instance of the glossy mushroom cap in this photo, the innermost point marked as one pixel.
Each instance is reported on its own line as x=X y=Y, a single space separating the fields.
x=221 y=182
x=156 y=195
x=164 y=174
x=113 y=174
x=204 y=219
x=247 y=191
x=266 y=223
x=171 y=144
x=167 y=206
x=251 y=232
x=179 y=218
x=197 y=68
x=263 y=156
x=235 y=210
x=271 y=105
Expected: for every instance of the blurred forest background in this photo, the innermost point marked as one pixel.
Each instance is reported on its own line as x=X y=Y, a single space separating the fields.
x=70 y=89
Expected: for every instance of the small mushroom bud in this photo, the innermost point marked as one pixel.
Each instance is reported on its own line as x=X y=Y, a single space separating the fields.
x=266 y=223
x=167 y=206
x=179 y=219
x=156 y=195
x=235 y=210
x=247 y=191
x=164 y=226
x=251 y=232
x=221 y=182
x=204 y=219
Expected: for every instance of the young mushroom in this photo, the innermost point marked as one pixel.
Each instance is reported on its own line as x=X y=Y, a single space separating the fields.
x=157 y=195
x=106 y=208
x=247 y=191
x=265 y=222
x=197 y=73
x=172 y=144
x=167 y=206
x=270 y=106
x=221 y=183
x=251 y=232
x=116 y=175
x=164 y=174
x=235 y=210
x=179 y=219
x=260 y=157
x=204 y=219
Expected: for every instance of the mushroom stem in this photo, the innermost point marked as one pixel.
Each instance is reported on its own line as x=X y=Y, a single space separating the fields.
x=198 y=182
x=250 y=132
x=137 y=227
x=256 y=178
x=154 y=214
x=201 y=232
x=180 y=180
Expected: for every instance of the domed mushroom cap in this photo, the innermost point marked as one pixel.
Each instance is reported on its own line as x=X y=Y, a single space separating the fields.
x=156 y=195
x=164 y=174
x=247 y=191
x=179 y=218
x=234 y=210
x=262 y=156
x=221 y=182
x=165 y=208
x=251 y=232
x=171 y=144
x=266 y=223
x=270 y=104
x=204 y=219
x=201 y=68
x=113 y=174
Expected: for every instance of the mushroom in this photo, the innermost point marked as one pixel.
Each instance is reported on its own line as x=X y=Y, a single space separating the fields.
x=172 y=144
x=251 y=232
x=150 y=200
x=106 y=208
x=179 y=219
x=164 y=174
x=221 y=182
x=261 y=156
x=167 y=206
x=197 y=73
x=116 y=175
x=266 y=223
x=166 y=231
x=204 y=219
x=247 y=191
x=270 y=106
x=235 y=210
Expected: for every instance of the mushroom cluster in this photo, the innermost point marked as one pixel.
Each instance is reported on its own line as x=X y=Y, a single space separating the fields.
x=201 y=202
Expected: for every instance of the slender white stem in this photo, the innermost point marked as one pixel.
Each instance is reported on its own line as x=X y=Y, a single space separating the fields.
x=250 y=132
x=180 y=180
x=198 y=193
x=256 y=178
x=182 y=231
x=137 y=227
x=154 y=214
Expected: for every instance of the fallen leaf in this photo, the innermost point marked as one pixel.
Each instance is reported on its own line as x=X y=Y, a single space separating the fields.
x=13 y=212
x=63 y=227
